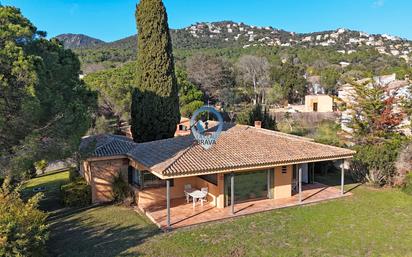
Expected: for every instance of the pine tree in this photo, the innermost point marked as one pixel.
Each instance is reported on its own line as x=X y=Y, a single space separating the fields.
x=155 y=102
x=374 y=116
x=44 y=107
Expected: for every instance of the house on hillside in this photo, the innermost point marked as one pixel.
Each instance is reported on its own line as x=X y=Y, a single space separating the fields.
x=319 y=103
x=392 y=87
x=385 y=79
x=176 y=182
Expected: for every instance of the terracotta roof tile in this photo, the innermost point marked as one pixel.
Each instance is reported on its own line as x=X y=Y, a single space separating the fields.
x=106 y=145
x=237 y=147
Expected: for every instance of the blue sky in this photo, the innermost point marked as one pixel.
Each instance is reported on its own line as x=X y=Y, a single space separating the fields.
x=114 y=19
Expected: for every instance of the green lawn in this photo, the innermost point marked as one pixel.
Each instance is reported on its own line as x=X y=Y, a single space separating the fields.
x=99 y=231
x=52 y=183
x=369 y=223
x=372 y=222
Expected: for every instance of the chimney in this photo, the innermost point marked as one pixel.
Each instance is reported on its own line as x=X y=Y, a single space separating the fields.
x=258 y=124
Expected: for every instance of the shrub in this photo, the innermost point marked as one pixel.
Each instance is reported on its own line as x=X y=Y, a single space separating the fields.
x=188 y=109
x=407 y=187
x=23 y=229
x=292 y=127
x=120 y=189
x=73 y=174
x=41 y=166
x=76 y=193
x=327 y=133
x=257 y=113
x=403 y=165
x=375 y=163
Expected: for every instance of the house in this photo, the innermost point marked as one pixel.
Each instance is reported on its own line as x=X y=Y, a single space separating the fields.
x=385 y=79
x=344 y=64
x=319 y=103
x=399 y=89
x=248 y=170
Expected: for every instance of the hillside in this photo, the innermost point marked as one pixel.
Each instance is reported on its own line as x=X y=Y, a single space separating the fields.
x=226 y=34
x=74 y=41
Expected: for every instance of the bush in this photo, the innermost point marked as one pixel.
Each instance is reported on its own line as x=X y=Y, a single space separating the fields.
x=73 y=174
x=257 y=113
x=41 y=166
x=375 y=163
x=403 y=165
x=76 y=193
x=120 y=189
x=187 y=110
x=327 y=133
x=292 y=127
x=407 y=187
x=23 y=229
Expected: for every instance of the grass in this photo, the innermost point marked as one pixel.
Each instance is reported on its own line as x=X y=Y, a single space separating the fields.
x=52 y=183
x=369 y=223
x=372 y=222
x=99 y=231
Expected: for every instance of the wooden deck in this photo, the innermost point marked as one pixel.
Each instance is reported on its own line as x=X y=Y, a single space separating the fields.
x=183 y=214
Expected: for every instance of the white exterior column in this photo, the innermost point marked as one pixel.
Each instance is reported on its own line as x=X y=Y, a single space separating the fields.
x=342 y=179
x=168 y=202
x=300 y=183
x=232 y=192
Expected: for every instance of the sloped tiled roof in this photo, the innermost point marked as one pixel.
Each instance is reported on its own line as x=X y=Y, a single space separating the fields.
x=106 y=145
x=237 y=147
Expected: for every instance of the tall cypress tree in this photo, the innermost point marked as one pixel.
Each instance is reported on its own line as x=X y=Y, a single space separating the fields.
x=155 y=103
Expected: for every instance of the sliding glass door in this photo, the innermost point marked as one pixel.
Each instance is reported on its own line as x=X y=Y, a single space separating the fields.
x=250 y=186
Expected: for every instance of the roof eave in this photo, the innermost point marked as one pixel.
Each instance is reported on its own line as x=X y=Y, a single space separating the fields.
x=161 y=174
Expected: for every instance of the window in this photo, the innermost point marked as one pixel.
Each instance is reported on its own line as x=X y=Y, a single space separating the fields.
x=136 y=179
x=284 y=169
x=133 y=176
x=295 y=171
x=211 y=178
x=145 y=179
x=182 y=127
x=315 y=107
x=150 y=180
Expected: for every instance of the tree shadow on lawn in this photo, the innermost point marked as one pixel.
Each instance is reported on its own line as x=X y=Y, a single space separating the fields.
x=80 y=235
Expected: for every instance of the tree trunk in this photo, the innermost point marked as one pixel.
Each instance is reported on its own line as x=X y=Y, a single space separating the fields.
x=255 y=101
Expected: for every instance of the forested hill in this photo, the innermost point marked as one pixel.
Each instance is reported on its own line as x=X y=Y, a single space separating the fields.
x=226 y=34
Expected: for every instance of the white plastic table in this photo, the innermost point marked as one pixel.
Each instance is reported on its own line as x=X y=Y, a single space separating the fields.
x=197 y=194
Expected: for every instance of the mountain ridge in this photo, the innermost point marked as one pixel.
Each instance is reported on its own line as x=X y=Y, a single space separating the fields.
x=74 y=41
x=95 y=53
x=241 y=34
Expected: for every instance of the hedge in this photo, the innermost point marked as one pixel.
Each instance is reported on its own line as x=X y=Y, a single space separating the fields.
x=76 y=193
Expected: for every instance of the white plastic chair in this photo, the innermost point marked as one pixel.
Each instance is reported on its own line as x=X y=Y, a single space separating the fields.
x=187 y=187
x=204 y=199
